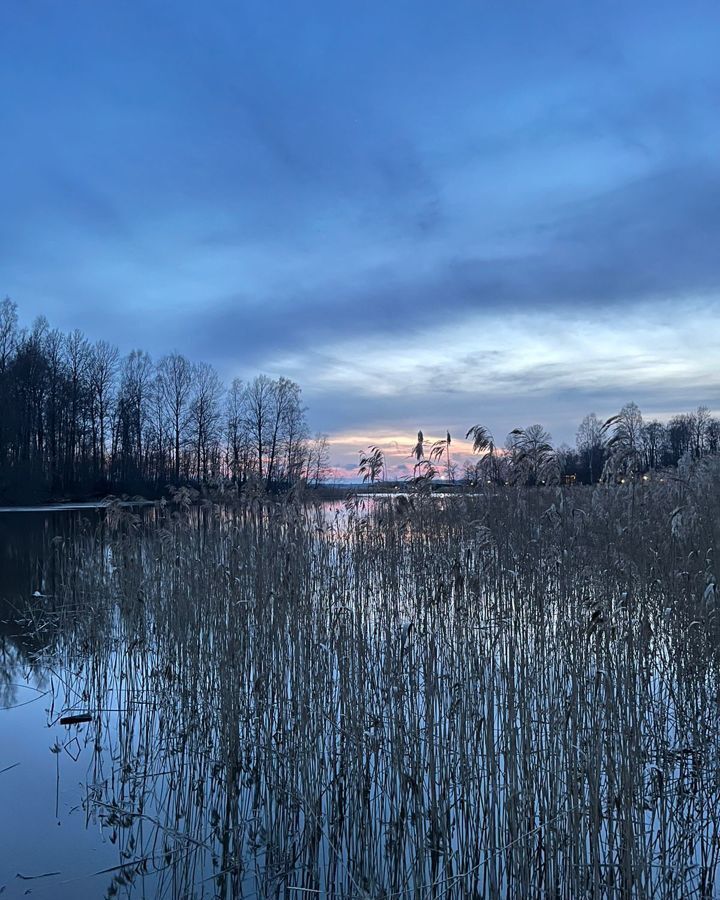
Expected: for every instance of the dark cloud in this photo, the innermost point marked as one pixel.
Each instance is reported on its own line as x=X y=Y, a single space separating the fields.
x=654 y=238
x=251 y=183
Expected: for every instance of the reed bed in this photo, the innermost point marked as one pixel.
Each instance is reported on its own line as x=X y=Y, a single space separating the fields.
x=507 y=695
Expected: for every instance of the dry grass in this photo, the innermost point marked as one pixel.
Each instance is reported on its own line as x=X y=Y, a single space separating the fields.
x=507 y=695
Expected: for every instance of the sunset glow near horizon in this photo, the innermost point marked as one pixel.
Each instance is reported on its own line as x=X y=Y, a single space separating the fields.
x=429 y=218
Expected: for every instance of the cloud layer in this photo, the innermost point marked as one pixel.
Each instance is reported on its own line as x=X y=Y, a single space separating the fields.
x=427 y=216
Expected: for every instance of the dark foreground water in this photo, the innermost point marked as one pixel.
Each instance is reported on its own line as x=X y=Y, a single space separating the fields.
x=43 y=765
x=512 y=696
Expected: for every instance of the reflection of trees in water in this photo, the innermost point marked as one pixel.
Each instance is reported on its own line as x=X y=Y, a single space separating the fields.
x=24 y=545
x=29 y=543
x=11 y=662
x=26 y=565
x=32 y=545
x=494 y=697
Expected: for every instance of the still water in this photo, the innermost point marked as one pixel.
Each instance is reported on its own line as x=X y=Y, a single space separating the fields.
x=43 y=765
x=430 y=700
x=145 y=798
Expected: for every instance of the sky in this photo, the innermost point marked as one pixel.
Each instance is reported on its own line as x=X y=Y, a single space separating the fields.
x=429 y=215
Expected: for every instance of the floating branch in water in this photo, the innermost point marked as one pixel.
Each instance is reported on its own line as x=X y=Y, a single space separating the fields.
x=76 y=720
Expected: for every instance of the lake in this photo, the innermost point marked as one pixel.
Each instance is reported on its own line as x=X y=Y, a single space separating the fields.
x=504 y=695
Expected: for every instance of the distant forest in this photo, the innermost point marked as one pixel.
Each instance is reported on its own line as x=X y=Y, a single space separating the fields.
x=79 y=421
x=623 y=448
x=628 y=445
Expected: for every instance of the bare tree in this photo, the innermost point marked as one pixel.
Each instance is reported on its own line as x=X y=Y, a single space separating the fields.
x=53 y=349
x=295 y=439
x=8 y=331
x=700 y=421
x=77 y=355
x=176 y=378
x=237 y=446
x=205 y=417
x=284 y=408
x=72 y=413
x=589 y=443
x=102 y=374
x=712 y=435
x=317 y=460
x=132 y=414
x=653 y=438
x=257 y=414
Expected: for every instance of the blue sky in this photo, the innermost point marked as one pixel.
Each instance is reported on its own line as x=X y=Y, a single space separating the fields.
x=428 y=215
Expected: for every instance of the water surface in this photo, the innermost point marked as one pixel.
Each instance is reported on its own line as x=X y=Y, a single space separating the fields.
x=466 y=698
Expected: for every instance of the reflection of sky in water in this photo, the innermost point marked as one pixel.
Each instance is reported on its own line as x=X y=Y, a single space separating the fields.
x=33 y=839
x=297 y=690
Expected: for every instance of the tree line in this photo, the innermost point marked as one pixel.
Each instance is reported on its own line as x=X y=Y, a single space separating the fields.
x=79 y=420
x=623 y=447
x=626 y=444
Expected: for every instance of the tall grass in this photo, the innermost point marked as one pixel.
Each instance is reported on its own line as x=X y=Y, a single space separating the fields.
x=513 y=694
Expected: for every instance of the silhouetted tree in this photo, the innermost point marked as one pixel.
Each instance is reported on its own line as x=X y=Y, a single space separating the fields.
x=102 y=377
x=653 y=440
x=205 y=417
x=317 y=459
x=175 y=382
x=590 y=445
